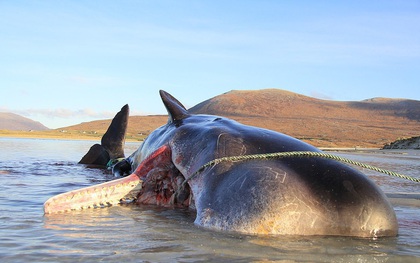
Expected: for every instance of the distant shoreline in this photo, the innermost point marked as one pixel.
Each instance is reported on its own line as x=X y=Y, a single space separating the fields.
x=349 y=149
x=54 y=135
x=49 y=137
x=45 y=135
x=97 y=138
x=57 y=135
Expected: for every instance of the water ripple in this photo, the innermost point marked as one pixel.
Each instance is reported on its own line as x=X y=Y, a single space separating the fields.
x=31 y=171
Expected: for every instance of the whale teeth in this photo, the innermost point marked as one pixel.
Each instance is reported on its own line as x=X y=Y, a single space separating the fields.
x=102 y=195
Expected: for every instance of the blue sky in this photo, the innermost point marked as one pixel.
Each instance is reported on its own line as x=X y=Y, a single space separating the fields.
x=67 y=62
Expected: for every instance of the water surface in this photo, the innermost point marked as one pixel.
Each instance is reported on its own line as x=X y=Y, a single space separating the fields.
x=32 y=170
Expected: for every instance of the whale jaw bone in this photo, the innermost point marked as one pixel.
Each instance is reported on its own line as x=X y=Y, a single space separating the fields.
x=106 y=194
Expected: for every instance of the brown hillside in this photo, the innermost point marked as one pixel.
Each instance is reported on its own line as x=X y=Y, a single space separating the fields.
x=369 y=123
x=138 y=126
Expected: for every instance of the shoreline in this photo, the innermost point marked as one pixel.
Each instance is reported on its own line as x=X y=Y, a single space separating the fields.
x=57 y=135
x=48 y=137
x=349 y=149
x=96 y=137
x=41 y=135
x=68 y=138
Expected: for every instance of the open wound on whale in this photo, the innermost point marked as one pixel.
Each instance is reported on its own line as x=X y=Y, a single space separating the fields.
x=155 y=181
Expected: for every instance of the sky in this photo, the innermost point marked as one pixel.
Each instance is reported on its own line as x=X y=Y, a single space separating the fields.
x=67 y=62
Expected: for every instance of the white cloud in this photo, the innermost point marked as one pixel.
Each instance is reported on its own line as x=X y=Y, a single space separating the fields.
x=320 y=95
x=65 y=113
x=62 y=113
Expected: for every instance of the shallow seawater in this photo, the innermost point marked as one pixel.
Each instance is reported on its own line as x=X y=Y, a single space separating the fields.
x=32 y=170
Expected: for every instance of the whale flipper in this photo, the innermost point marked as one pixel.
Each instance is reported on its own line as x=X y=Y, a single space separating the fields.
x=96 y=155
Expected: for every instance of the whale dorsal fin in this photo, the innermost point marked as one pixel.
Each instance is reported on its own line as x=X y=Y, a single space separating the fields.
x=176 y=110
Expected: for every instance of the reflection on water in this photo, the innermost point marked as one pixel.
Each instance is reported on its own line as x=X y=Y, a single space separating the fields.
x=31 y=171
x=157 y=234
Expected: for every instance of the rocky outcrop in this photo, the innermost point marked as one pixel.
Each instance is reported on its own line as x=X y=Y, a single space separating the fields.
x=406 y=143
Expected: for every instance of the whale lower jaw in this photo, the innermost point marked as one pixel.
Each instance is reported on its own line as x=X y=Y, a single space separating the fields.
x=106 y=194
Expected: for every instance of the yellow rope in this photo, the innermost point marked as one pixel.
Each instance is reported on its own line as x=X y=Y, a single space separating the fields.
x=299 y=154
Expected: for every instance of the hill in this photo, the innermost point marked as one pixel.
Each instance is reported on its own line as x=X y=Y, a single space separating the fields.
x=323 y=123
x=138 y=126
x=11 y=121
x=369 y=123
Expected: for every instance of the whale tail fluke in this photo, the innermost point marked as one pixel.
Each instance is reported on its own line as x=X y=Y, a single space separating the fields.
x=112 y=142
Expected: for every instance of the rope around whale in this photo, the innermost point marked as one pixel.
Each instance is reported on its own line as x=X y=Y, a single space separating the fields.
x=296 y=154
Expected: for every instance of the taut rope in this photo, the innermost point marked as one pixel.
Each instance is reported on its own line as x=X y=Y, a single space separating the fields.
x=297 y=154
